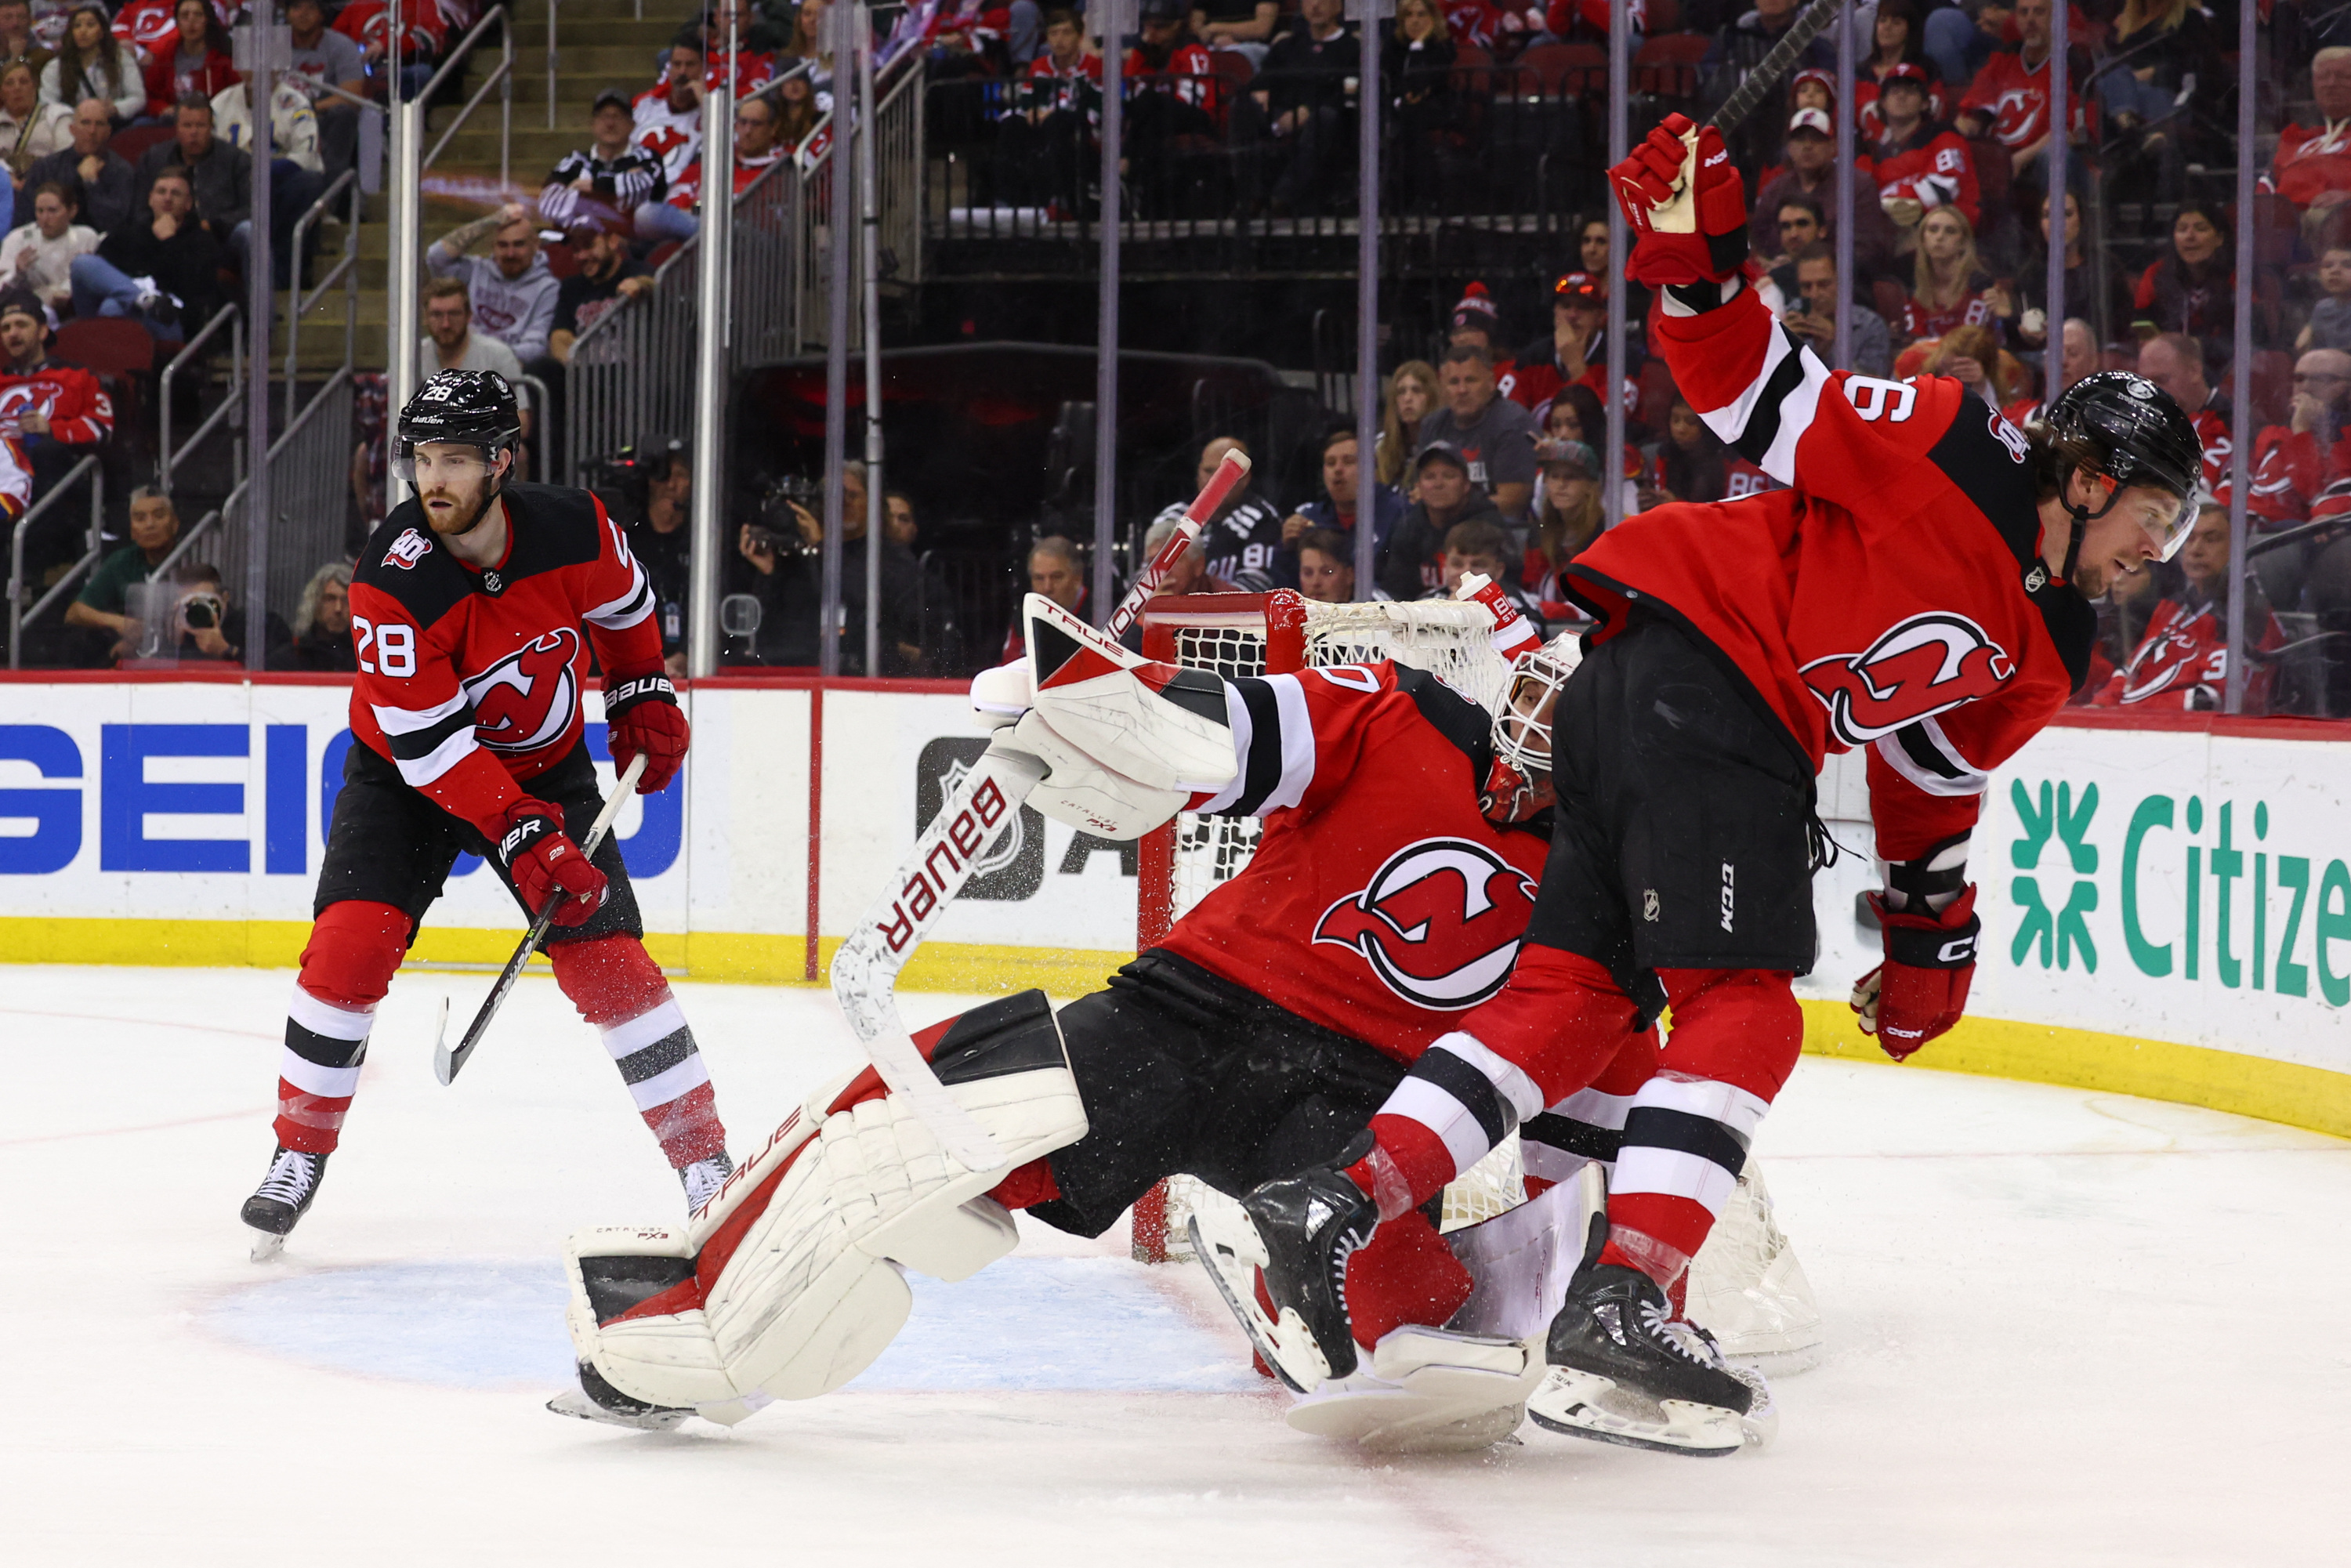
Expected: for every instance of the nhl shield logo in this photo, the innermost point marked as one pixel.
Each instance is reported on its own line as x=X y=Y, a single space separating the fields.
x=1439 y=924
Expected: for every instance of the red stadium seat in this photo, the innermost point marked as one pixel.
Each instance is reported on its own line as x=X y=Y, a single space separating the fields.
x=1562 y=68
x=1233 y=68
x=116 y=350
x=130 y=143
x=1665 y=16
x=560 y=260
x=1668 y=65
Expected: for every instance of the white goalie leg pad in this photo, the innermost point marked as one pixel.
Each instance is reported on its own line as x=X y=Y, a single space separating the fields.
x=1426 y=1391
x=1748 y=1289
x=1519 y=1261
x=667 y=1359
x=810 y=1291
x=1163 y=727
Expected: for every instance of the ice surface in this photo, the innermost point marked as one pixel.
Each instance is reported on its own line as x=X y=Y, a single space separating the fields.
x=2065 y=1328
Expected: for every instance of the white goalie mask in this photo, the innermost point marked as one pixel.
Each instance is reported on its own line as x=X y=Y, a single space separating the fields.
x=1518 y=785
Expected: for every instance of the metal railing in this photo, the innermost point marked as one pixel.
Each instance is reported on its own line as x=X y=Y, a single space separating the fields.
x=501 y=78
x=347 y=270
x=167 y=458
x=18 y=615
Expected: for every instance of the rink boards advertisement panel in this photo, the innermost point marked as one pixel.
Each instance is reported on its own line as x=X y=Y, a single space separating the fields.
x=2147 y=891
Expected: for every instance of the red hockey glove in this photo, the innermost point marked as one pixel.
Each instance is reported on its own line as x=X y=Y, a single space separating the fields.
x=545 y=863
x=1686 y=206
x=1921 y=990
x=641 y=715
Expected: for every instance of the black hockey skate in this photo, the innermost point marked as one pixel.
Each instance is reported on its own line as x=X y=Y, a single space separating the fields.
x=597 y=1400
x=1300 y=1231
x=1625 y=1369
x=702 y=1180
x=283 y=1197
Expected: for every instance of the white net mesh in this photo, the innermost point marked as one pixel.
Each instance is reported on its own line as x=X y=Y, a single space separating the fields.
x=1449 y=641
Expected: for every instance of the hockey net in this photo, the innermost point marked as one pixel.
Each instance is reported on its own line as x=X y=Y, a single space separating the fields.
x=1237 y=634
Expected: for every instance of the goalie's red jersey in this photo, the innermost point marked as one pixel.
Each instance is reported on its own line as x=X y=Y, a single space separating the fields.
x=1894 y=598
x=1380 y=904
x=469 y=679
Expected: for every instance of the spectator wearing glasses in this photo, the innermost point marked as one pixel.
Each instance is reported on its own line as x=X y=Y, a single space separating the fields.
x=1799 y=223
x=756 y=151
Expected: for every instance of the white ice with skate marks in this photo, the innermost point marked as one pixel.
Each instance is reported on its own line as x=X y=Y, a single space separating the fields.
x=2065 y=1328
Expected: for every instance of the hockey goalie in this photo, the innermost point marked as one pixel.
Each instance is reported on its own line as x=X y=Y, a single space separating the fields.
x=1404 y=830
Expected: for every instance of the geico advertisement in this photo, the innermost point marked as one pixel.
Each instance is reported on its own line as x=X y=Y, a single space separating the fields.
x=2171 y=885
x=890 y=760
x=212 y=802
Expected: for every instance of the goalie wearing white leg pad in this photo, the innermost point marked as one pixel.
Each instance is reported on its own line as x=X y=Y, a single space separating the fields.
x=791 y=1281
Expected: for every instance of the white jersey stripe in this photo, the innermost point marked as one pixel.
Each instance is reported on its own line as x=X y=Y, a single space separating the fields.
x=408 y=720
x=1236 y=720
x=663 y=1087
x=1730 y=421
x=633 y=1035
x=325 y=1018
x=326 y=1083
x=419 y=771
x=1962 y=778
x=619 y=614
x=1297 y=744
x=1796 y=412
x=1593 y=1109
x=1422 y=1101
x=1670 y=1172
x=1734 y=1107
x=1508 y=1077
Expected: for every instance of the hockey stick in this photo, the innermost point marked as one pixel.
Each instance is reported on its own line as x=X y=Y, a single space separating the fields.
x=982 y=806
x=447 y=1063
x=1757 y=83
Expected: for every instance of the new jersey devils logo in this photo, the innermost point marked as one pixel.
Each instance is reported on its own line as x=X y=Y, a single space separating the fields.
x=1439 y=923
x=1920 y=667
x=526 y=698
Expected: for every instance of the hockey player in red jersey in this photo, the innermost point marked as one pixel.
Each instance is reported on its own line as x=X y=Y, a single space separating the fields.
x=1922 y=591
x=1403 y=827
x=474 y=612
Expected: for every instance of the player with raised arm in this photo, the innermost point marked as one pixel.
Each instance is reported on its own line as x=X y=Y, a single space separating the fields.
x=1403 y=828
x=474 y=610
x=1921 y=589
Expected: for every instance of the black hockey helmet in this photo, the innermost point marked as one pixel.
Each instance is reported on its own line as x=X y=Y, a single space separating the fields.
x=476 y=408
x=2124 y=426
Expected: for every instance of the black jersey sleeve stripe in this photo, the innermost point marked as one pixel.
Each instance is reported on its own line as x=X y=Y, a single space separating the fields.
x=413 y=746
x=1263 y=772
x=1763 y=424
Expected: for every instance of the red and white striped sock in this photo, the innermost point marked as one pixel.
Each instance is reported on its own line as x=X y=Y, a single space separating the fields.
x=617 y=987
x=347 y=965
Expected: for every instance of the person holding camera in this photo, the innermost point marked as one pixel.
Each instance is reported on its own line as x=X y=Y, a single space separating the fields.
x=104 y=602
x=208 y=628
x=788 y=582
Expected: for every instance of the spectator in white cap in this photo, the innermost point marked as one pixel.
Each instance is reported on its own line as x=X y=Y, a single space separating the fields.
x=1811 y=171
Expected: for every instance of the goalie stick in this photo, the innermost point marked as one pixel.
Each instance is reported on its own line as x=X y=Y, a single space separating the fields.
x=447 y=1063
x=987 y=801
x=1757 y=83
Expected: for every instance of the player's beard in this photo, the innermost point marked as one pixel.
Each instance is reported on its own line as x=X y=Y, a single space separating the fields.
x=471 y=509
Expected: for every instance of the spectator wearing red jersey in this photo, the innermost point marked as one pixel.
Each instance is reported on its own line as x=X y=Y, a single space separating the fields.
x=197 y=62
x=2175 y=362
x=1921 y=166
x=2311 y=167
x=2183 y=659
x=1173 y=97
x=1048 y=120
x=756 y=152
x=422 y=35
x=1586 y=21
x=1575 y=349
x=2294 y=461
x=1811 y=171
x=2009 y=99
x=54 y=414
x=1895 y=40
x=1948 y=285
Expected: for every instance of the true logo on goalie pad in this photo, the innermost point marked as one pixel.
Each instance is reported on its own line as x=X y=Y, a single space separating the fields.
x=1439 y=923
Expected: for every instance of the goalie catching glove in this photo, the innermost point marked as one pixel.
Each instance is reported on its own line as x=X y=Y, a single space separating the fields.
x=1126 y=742
x=1685 y=203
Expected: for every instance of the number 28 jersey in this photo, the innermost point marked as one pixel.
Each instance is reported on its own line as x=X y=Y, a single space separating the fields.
x=470 y=678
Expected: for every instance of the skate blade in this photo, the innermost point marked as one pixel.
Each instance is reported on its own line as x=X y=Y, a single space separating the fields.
x=579 y=1407
x=1230 y=1247
x=1582 y=1405
x=1455 y=1415
x=266 y=1245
